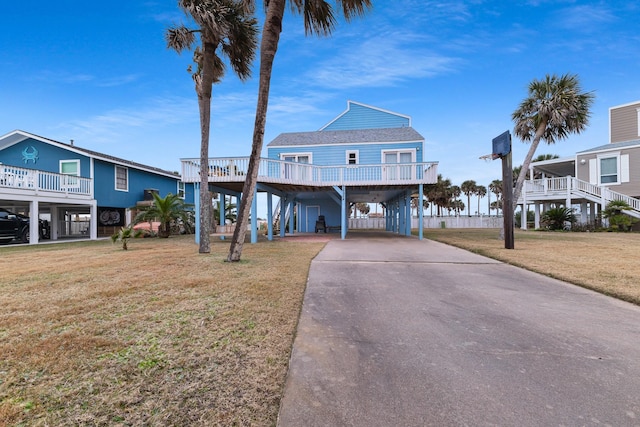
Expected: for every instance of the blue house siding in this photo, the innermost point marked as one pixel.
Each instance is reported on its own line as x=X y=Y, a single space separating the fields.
x=48 y=157
x=138 y=180
x=360 y=116
x=332 y=155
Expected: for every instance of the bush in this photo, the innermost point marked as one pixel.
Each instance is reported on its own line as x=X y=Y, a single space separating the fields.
x=558 y=219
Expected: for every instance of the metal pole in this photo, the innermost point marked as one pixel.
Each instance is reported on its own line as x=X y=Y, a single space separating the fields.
x=507 y=200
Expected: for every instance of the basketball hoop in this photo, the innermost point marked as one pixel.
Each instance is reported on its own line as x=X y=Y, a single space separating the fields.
x=489 y=157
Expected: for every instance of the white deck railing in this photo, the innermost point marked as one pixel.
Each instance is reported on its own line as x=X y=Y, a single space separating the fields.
x=540 y=189
x=278 y=171
x=22 y=179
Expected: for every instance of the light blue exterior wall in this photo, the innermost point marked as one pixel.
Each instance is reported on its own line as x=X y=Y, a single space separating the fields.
x=364 y=117
x=332 y=155
x=326 y=206
x=48 y=160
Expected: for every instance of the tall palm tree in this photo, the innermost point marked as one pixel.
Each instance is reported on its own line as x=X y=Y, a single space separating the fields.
x=556 y=107
x=319 y=19
x=481 y=191
x=468 y=187
x=226 y=28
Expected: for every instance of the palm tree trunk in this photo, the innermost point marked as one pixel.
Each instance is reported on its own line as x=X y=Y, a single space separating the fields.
x=204 y=87
x=527 y=162
x=268 y=47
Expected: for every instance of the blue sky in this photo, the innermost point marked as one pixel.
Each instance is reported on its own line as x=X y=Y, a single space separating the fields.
x=99 y=73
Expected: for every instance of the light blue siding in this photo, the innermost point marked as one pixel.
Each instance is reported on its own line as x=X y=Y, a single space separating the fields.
x=332 y=155
x=360 y=116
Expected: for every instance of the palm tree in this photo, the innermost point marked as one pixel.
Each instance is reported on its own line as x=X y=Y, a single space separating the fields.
x=468 y=187
x=556 y=107
x=439 y=194
x=166 y=210
x=318 y=19
x=481 y=191
x=227 y=28
x=496 y=188
x=124 y=234
x=454 y=193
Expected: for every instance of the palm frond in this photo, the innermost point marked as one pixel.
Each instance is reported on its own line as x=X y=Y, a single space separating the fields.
x=180 y=38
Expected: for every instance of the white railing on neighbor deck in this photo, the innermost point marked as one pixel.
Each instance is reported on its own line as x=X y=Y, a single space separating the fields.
x=22 y=179
x=561 y=187
x=281 y=172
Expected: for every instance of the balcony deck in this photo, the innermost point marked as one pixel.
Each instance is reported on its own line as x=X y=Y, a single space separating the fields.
x=233 y=170
x=17 y=181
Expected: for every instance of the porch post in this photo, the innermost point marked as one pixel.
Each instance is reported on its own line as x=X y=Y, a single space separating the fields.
x=269 y=216
x=283 y=209
x=583 y=212
x=568 y=200
x=93 y=221
x=254 y=217
x=420 y=211
x=196 y=206
x=536 y=220
x=291 y=216
x=343 y=220
x=34 y=226
x=407 y=211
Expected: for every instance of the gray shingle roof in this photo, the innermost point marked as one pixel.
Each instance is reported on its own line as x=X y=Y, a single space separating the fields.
x=613 y=146
x=405 y=134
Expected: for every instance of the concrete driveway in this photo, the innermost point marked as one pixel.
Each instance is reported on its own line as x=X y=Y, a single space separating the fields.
x=395 y=331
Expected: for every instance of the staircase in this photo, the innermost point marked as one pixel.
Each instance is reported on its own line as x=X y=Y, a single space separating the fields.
x=276 y=216
x=572 y=188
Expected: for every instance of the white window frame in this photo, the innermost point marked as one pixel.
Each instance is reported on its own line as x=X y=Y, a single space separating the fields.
x=67 y=182
x=356 y=154
x=294 y=172
x=115 y=176
x=181 y=189
x=603 y=156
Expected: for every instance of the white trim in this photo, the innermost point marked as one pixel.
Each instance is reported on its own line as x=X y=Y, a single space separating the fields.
x=115 y=178
x=349 y=103
x=593 y=171
x=348 y=154
x=614 y=155
x=76 y=161
x=624 y=168
x=296 y=155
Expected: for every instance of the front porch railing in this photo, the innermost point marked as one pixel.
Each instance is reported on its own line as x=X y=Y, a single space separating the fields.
x=279 y=171
x=32 y=180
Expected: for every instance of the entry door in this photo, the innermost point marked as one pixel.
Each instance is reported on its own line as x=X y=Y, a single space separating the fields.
x=399 y=172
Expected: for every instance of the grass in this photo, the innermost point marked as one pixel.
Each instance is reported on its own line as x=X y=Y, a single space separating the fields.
x=160 y=335
x=605 y=262
x=156 y=335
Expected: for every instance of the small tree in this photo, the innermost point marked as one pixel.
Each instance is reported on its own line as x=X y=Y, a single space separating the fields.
x=166 y=210
x=557 y=218
x=618 y=220
x=124 y=234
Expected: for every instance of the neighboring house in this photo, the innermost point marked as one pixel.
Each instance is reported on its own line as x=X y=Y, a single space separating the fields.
x=366 y=154
x=594 y=177
x=79 y=191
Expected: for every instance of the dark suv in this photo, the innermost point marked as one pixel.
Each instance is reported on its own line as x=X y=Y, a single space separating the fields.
x=16 y=226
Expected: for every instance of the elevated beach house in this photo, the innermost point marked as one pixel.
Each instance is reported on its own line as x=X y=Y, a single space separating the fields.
x=592 y=178
x=366 y=154
x=79 y=192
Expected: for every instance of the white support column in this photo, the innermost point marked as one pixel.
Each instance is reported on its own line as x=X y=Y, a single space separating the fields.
x=34 y=226
x=536 y=221
x=583 y=212
x=93 y=221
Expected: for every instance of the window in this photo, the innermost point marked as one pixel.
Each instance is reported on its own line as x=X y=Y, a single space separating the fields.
x=608 y=170
x=353 y=157
x=71 y=168
x=181 y=189
x=122 y=178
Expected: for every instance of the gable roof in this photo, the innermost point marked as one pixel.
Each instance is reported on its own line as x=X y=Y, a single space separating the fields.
x=360 y=136
x=18 y=136
x=612 y=146
x=362 y=116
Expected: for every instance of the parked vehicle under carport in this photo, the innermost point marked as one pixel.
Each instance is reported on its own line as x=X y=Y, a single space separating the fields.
x=15 y=226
